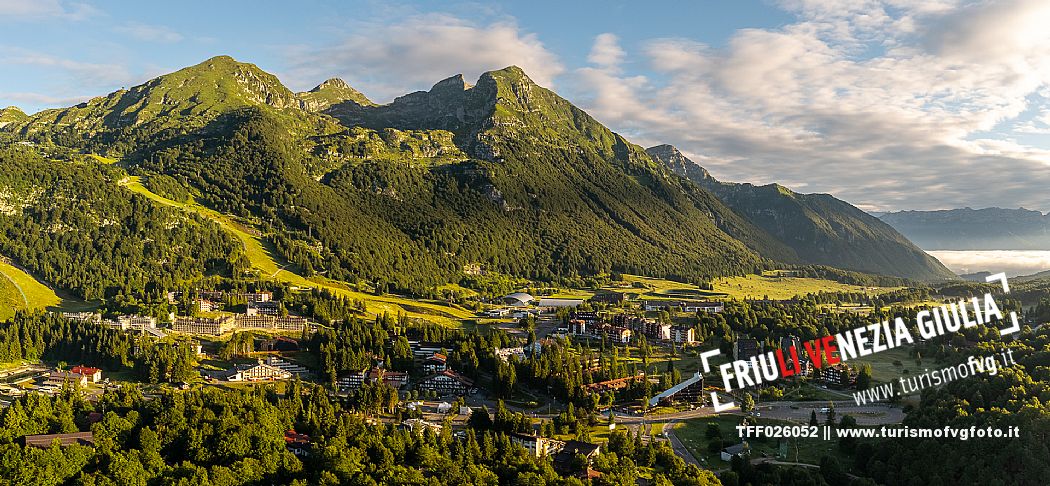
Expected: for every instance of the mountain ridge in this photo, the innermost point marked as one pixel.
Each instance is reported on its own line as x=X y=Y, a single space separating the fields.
x=504 y=172
x=974 y=229
x=819 y=227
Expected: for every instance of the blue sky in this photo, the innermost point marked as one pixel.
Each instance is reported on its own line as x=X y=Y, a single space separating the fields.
x=894 y=104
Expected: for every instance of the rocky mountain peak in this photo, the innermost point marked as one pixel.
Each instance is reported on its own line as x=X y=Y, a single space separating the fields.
x=674 y=159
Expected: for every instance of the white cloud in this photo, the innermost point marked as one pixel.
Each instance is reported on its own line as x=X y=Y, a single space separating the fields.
x=606 y=51
x=44 y=10
x=149 y=33
x=880 y=103
x=86 y=74
x=387 y=60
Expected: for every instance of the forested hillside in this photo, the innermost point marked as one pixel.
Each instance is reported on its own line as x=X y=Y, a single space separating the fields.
x=69 y=223
x=818 y=227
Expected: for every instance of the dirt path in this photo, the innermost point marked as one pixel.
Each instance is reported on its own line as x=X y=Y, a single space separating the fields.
x=25 y=300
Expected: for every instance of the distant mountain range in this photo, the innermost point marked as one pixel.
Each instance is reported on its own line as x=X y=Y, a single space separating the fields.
x=504 y=173
x=974 y=229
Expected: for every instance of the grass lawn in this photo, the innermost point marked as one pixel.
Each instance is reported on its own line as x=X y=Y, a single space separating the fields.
x=775 y=287
x=693 y=434
x=747 y=287
x=20 y=291
x=882 y=367
x=264 y=258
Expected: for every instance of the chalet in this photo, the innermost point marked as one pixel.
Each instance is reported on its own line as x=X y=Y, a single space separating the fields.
x=536 y=446
x=354 y=381
x=738 y=450
x=518 y=299
x=204 y=325
x=447 y=382
x=746 y=348
x=564 y=459
x=577 y=327
x=840 y=375
x=610 y=297
x=617 y=334
x=93 y=375
x=435 y=364
x=683 y=335
x=256 y=372
x=64 y=440
x=205 y=305
x=549 y=304
x=298 y=444
x=57 y=379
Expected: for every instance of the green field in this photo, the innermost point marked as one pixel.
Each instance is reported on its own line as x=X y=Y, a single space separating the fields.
x=692 y=433
x=264 y=258
x=20 y=291
x=769 y=285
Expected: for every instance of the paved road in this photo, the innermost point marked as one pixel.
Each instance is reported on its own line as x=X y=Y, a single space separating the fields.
x=677 y=445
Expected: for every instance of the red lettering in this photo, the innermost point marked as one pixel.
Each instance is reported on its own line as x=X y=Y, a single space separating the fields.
x=813 y=350
x=784 y=373
x=831 y=351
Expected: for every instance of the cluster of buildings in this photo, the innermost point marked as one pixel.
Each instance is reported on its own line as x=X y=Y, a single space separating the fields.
x=131 y=323
x=353 y=381
x=622 y=328
x=562 y=453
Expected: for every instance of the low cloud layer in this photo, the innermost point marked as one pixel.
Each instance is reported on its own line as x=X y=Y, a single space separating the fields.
x=888 y=105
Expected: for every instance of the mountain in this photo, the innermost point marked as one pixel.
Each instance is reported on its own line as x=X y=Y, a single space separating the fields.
x=10 y=115
x=818 y=227
x=503 y=173
x=328 y=93
x=184 y=100
x=974 y=229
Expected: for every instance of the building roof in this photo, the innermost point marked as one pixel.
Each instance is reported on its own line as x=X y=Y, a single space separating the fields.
x=521 y=297
x=292 y=437
x=45 y=441
x=574 y=447
x=670 y=392
x=85 y=370
x=451 y=374
x=549 y=302
x=736 y=449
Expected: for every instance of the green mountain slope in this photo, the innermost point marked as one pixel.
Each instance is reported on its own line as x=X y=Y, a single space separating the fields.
x=820 y=228
x=328 y=93
x=506 y=174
